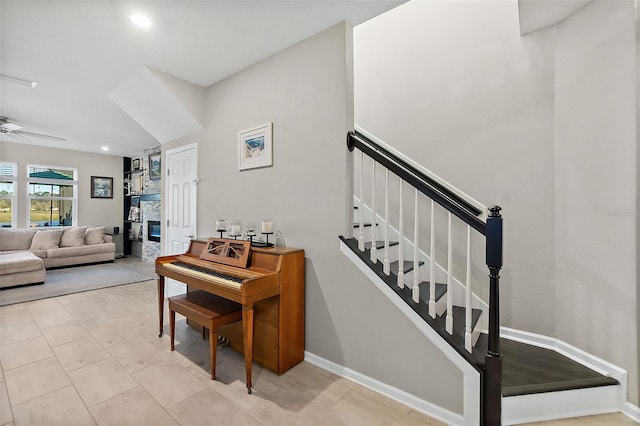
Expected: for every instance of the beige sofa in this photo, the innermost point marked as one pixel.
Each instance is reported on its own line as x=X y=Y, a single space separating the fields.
x=26 y=253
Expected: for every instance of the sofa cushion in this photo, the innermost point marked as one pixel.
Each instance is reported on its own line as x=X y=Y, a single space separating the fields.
x=85 y=250
x=44 y=240
x=24 y=261
x=94 y=235
x=73 y=237
x=16 y=239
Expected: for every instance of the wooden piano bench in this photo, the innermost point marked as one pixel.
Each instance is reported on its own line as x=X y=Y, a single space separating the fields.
x=208 y=310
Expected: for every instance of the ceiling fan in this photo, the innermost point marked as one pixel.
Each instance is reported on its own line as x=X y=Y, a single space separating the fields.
x=10 y=128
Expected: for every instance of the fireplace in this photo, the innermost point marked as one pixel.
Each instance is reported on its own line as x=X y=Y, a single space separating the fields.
x=153 y=230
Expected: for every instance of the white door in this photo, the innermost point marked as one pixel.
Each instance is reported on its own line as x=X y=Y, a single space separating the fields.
x=181 y=204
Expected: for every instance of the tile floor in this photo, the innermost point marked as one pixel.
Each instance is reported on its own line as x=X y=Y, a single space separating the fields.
x=95 y=358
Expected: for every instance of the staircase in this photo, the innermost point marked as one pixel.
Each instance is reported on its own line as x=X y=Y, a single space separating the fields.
x=518 y=381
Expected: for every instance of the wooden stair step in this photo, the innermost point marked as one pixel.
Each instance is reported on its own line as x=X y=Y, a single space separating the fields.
x=425 y=288
x=407 y=266
x=379 y=244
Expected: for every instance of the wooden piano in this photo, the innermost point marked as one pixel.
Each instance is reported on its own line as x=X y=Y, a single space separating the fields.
x=268 y=282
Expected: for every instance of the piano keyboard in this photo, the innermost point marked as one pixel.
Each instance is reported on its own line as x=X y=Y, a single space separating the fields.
x=207 y=274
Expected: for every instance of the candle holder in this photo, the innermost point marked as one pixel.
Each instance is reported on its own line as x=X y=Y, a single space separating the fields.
x=251 y=231
x=236 y=229
x=221 y=226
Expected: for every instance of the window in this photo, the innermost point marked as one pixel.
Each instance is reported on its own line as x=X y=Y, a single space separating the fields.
x=52 y=195
x=8 y=179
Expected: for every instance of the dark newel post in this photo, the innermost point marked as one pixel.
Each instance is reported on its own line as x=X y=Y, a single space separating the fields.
x=492 y=392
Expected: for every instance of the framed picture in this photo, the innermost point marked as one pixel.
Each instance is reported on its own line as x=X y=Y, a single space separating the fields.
x=101 y=187
x=154 y=166
x=136 y=164
x=255 y=147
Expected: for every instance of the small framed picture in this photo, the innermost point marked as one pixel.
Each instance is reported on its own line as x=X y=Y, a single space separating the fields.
x=255 y=147
x=101 y=187
x=154 y=166
x=135 y=164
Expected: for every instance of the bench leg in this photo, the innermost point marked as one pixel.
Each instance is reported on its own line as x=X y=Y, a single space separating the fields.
x=213 y=345
x=172 y=326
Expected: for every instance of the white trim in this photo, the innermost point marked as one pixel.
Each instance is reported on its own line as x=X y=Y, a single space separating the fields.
x=631 y=411
x=389 y=391
x=471 y=377
x=558 y=405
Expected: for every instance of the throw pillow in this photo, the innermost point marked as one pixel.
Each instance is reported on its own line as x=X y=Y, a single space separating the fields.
x=45 y=240
x=16 y=239
x=94 y=235
x=73 y=237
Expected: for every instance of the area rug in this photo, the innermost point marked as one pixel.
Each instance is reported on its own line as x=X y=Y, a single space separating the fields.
x=77 y=279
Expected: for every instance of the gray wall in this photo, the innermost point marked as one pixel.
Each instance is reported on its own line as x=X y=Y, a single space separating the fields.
x=543 y=125
x=91 y=211
x=306 y=92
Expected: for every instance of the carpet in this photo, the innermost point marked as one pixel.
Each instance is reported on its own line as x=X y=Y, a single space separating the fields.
x=76 y=279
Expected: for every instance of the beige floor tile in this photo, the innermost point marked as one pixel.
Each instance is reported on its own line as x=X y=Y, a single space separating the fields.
x=64 y=333
x=617 y=419
x=53 y=318
x=134 y=407
x=270 y=413
x=93 y=320
x=80 y=353
x=390 y=403
x=169 y=383
x=136 y=355
x=81 y=307
x=43 y=306
x=101 y=381
x=14 y=307
x=207 y=405
x=18 y=332
x=24 y=352
x=72 y=298
x=33 y=380
x=5 y=408
x=14 y=316
x=357 y=409
x=62 y=407
x=425 y=418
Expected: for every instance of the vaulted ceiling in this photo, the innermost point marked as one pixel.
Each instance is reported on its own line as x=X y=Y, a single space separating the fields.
x=103 y=81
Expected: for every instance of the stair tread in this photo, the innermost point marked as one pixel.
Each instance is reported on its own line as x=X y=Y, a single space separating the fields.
x=379 y=244
x=407 y=266
x=441 y=289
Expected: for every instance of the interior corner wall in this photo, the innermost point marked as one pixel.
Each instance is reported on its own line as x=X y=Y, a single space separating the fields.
x=305 y=92
x=91 y=211
x=468 y=98
x=595 y=184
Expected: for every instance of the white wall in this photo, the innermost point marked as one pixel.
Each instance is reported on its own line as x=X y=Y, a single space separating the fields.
x=595 y=184
x=306 y=92
x=542 y=125
x=91 y=211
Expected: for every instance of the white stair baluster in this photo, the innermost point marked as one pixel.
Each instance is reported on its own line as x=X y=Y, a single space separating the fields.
x=468 y=307
x=386 y=266
x=432 y=265
x=449 y=322
x=374 y=249
x=360 y=209
x=415 y=291
x=401 y=241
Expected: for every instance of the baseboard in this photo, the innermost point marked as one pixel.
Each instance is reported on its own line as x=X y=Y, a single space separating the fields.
x=391 y=392
x=631 y=411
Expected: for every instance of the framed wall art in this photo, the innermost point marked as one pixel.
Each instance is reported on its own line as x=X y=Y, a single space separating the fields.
x=255 y=147
x=101 y=187
x=154 y=166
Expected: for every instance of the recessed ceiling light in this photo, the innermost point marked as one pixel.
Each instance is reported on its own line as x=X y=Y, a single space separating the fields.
x=140 y=20
x=105 y=148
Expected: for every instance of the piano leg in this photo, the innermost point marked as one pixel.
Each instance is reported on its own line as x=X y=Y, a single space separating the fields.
x=160 y=281
x=247 y=328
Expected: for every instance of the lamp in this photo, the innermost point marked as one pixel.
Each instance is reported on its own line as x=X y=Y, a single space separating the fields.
x=29 y=83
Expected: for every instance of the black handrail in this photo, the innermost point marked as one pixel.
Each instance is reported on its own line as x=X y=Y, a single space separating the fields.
x=442 y=195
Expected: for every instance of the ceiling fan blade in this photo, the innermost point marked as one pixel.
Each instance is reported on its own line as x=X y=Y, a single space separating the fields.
x=40 y=135
x=18 y=137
